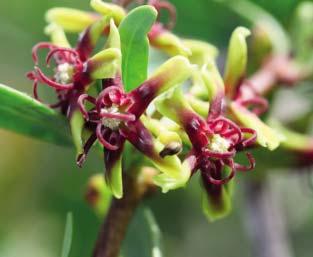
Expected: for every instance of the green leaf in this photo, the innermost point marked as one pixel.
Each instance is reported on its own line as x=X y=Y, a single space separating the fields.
x=135 y=45
x=67 y=241
x=22 y=114
x=143 y=237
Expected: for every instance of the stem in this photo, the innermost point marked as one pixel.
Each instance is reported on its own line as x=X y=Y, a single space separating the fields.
x=265 y=221
x=114 y=227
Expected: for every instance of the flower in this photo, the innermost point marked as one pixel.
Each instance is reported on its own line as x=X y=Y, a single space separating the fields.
x=75 y=69
x=115 y=118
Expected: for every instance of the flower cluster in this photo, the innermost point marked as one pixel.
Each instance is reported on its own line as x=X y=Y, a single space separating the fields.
x=183 y=118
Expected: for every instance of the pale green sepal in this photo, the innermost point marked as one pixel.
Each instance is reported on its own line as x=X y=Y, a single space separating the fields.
x=171 y=104
x=211 y=210
x=236 y=59
x=77 y=125
x=293 y=140
x=201 y=52
x=57 y=35
x=172 y=73
x=212 y=80
x=96 y=30
x=114 y=39
x=198 y=88
x=266 y=136
x=170 y=44
x=199 y=106
x=109 y=10
x=216 y=199
x=105 y=64
x=71 y=20
x=114 y=180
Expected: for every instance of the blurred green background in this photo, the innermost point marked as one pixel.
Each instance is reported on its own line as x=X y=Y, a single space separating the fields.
x=40 y=183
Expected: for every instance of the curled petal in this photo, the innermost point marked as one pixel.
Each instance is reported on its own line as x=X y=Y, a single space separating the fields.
x=164 y=5
x=32 y=76
x=239 y=167
x=105 y=142
x=63 y=51
x=216 y=155
x=251 y=140
x=110 y=96
x=42 y=45
x=119 y=116
x=52 y=83
x=260 y=105
x=230 y=130
x=81 y=104
x=216 y=170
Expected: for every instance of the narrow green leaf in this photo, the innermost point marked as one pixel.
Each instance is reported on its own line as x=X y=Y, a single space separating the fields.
x=67 y=241
x=143 y=237
x=135 y=45
x=22 y=114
